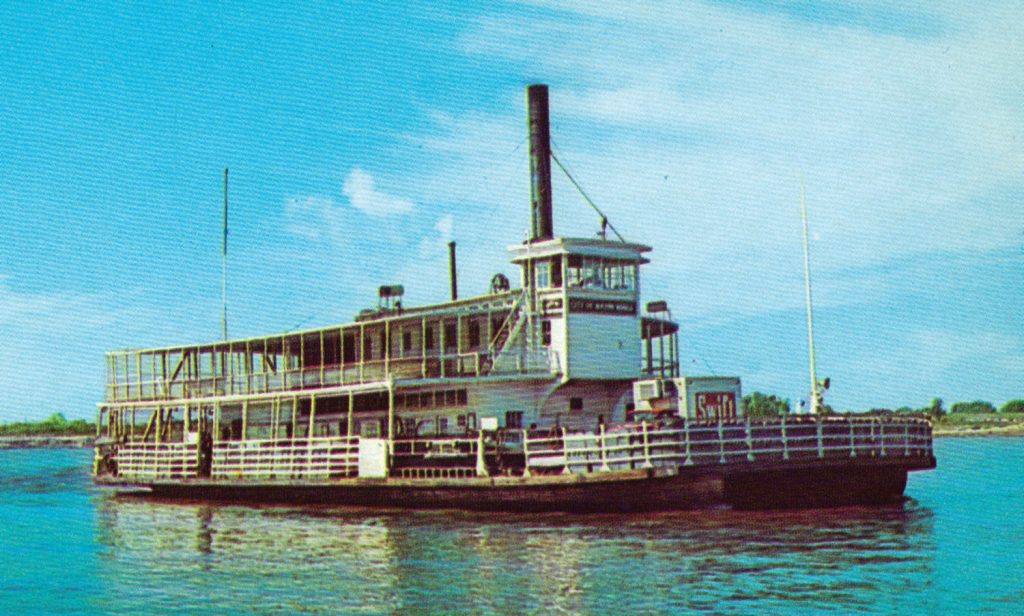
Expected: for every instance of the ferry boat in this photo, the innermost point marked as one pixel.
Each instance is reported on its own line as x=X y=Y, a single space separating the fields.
x=561 y=394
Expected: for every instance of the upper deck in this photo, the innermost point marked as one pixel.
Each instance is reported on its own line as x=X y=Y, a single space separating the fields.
x=462 y=338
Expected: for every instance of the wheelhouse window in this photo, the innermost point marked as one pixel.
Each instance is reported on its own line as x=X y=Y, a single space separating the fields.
x=596 y=273
x=543 y=269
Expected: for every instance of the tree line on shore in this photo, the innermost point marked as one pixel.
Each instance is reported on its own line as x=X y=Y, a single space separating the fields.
x=758 y=404
x=54 y=425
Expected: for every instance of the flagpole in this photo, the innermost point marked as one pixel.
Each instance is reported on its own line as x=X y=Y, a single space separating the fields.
x=224 y=265
x=807 y=287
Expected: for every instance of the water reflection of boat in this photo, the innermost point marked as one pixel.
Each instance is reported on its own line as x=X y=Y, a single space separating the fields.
x=210 y=558
x=563 y=394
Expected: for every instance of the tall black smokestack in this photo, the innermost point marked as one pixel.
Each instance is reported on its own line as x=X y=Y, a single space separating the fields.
x=451 y=271
x=542 y=227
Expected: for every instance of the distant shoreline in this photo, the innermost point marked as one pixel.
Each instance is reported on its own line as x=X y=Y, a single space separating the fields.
x=42 y=441
x=969 y=431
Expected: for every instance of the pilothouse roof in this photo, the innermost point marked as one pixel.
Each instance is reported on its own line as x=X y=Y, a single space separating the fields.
x=588 y=247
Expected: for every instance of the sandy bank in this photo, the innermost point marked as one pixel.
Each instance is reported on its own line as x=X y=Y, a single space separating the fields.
x=45 y=442
x=1008 y=430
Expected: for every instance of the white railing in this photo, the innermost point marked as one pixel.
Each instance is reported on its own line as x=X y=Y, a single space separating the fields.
x=147 y=461
x=522 y=361
x=706 y=443
x=312 y=458
x=451 y=364
x=423 y=458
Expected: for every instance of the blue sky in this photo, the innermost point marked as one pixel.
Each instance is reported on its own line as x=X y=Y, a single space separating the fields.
x=361 y=137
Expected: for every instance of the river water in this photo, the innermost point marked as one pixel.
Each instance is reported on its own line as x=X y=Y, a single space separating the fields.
x=956 y=545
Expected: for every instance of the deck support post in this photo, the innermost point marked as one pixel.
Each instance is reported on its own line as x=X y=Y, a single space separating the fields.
x=391 y=417
x=387 y=348
x=647 y=447
x=322 y=358
x=362 y=350
x=821 y=445
x=245 y=420
x=351 y=409
x=750 y=442
x=275 y=418
x=160 y=424
x=603 y=449
x=785 y=442
x=312 y=415
x=686 y=434
x=216 y=422
x=295 y=417
x=458 y=344
x=526 y=454
x=721 y=442
x=565 y=456
x=853 y=439
x=423 y=348
x=881 y=437
x=481 y=467
x=341 y=356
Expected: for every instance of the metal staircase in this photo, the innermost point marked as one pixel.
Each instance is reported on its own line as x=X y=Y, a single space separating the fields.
x=502 y=349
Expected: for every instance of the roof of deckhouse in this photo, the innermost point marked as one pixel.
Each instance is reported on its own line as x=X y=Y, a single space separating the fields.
x=477 y=303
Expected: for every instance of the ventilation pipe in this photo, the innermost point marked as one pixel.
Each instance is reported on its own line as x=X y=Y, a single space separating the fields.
x=451 y=271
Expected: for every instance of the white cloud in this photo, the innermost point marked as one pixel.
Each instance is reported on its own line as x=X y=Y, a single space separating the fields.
x=365 y=197
x=444 y=226
x=305 y=216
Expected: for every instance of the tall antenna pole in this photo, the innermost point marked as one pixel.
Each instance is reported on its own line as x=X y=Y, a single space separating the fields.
x=224 y=265
x=807 y=287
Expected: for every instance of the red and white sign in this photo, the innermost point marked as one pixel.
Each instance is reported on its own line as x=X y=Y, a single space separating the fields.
x=717 y=404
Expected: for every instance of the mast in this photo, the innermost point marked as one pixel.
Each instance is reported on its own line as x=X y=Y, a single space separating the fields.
x=810 y=320
x=224 y=265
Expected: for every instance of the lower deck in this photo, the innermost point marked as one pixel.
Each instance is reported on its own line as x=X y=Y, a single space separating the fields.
x=681 y=465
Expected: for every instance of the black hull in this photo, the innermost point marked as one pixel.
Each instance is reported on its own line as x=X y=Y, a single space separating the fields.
x=739 y=486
